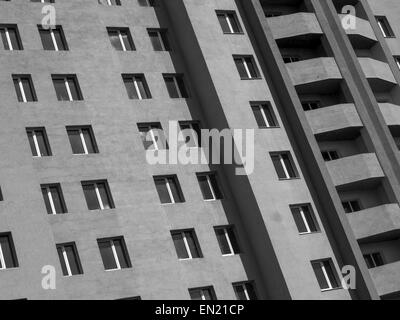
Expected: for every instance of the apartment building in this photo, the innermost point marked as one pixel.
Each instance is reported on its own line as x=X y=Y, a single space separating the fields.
x=84 y=215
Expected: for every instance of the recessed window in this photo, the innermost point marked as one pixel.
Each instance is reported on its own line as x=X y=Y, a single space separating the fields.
x=69 y=259
x=304 y=218
x=24 y=88
x=326 y=274
x=175 y=86
x=1 y=195
x=247 y=67
x=147 y=3
x=271 y=14
x=373 y=260
x=121 y=39
x=168 y=189
x=385 y=27
x=82 y=140
x=229 y=22
x=186 y=244
x=205 y=293
x=8 y=257
x=159 y=39
x=284 y=165
x=10 y=37
x=310 y=105
x=209 y=186
x=111 y=2
x=153 y=136
x=67 y=87
x=38 y=142
x=136 y=86
x=191 y=132
x=98 y=195
x=290 y=59
x=397 y=59
x=264 y=115
x=53 y=198
x=114 y=253
x=351 y=206
x=244 y=290
x=330 y=155
x=227 y=240
x=53 y=39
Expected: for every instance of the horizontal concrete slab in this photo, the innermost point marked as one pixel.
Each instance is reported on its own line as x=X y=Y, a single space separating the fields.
x=362 y=36
x=387 y=278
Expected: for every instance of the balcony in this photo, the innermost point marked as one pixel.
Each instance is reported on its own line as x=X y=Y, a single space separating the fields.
x=378 y=74
x=362 y=170
x=391 y=113
x=387 y=278
x=363 y=36
x=376 y=224
x=338 y=121
x=320 y=75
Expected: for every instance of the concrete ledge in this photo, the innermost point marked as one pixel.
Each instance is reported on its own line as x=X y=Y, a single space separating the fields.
x=387 y=278
x=363 y=36
x=391 y=113
x=378 y=74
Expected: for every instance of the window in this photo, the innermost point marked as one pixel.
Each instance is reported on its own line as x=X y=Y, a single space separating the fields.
x=326 y=275
x=175 y=86
x=168 y=189
x=159 y=39
x=290 y=59
x=10 y=37
x=186 y=244
x=384 y=25
x=1 y=195
x=121 y=39
x=206 y=293
x=98 y=195
x=351 y=206
x=136 y=86
x=310 y=105
x=147 y=3
x=24 y=88
x=110 y=2
x=114 y=253
x=8 y=257
x=227 y=240
x=244 y=291
x=397 y=59
x=67 y=87
x=209 y=186
x=53 y=39
x=38 y=142
x=53 y=198
x=330 y=155
x=272 y=14
x=284 y=165
x=69 y=259
x=264 y=115
x=82 y=140
x=191 y=133
x=229 y=22
x=304 y=218
x=152 y=135
x=247 y=67
x=42 y=1
x=373 y=260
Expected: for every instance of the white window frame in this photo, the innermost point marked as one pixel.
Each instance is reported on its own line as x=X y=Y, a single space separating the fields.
x=246 y=67
x=228 y=21
x=228 y=239
x=171 y=196
x=283 y=164
x=10 y=46
x=53 y=39
x=51 y=201
x=98 y=196
x=303 y=217
x=21 y=89
x=83 y=141
x=116 y=259
x=382 y=25
x=68 y=87
x=66 y=262
x=263 y=114
x=183 y=233
x=36 y=144
x=211 y=188
x=325 y=273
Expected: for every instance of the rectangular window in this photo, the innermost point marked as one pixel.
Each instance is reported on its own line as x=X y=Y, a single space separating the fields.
x=159 y=39
x=136 y=86
x=209 y=186
x=67 y=87
x=121 y=39
x=244 y=290
x=264 y=114
x=114 y=253
x=53 y=39
x=284 y=165
x=373 y=260
x=69 y=259
x=351 y=206
x=175 y=86
x=24 y=88
x=38 y=142
x=310 y=105
x=1 y=195
x=53 y=198
x=227 y=240
x=98 y=195
x=8 y=257
x=169 y=189
x=326 y=275
x=330 y=155
x=229 y=22
x=10 y=37
x=205 y=293
x=191 y=132
x=247 y=67
x=147 y=3
x=82 y=140
x=304 y=218
x=153 y=136
x=186 y=244
x=385 y=27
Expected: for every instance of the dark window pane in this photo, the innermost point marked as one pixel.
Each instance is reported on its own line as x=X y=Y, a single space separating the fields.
x=122 y=257
x=310 y=219
x=46 y=200
x=190 y=238
x=115 y=40
x=104 y=195
x=195 y=294
x=320 y=275
x=28 y=90
x=73 y=87
x=234 y=23
x=87 y=135
x=4 y=39
x=130 y=88
x=18 y=90
x=5 y=243
x=299 y=220
x=46 y=39
x=162 y=190
x=107 y=255
x=250 y=291
x=41 y=140
x=232 y=238
x=369 y=261
x=278 y=166
x=72 y=259
x=241 y=68
x=240 y=292
x=378 y=259
x=76 y=142
x=331 y=274
x=173 y=184
x=61 y=89
x=215 y=187
x=59 y=39
x=289 y=166
x=62 y=261
x=91 y=198
x=31 y=143
x=205 y=189
x=259 y=117
x=57 y=201
x=14 y=38
x=180 y=245
x=127 y=41
x=222 y=241
x=171 y=87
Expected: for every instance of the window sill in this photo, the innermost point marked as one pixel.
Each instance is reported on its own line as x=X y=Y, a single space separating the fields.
x=233 y=33
x=333 y=289
x=9 y=269
x=289 y=179
x=256 y=78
